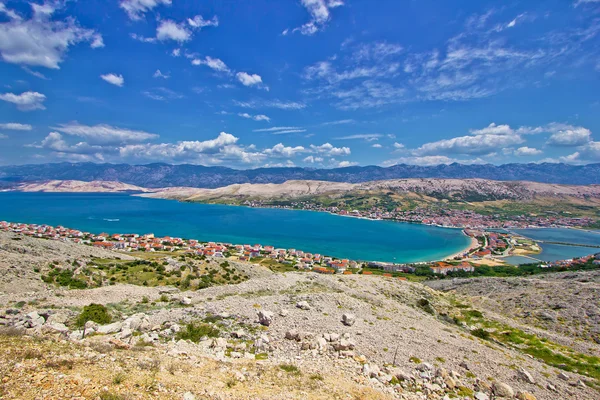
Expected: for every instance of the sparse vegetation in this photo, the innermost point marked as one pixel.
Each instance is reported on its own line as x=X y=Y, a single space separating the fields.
x=94 y=312
x=195 y=331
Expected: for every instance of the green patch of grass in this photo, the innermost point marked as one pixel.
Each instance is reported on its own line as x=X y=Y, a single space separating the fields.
x=195 y=331
x=316 y=377
x=481 y=333
x=415 y=360
x=261 y=356
x=290 y=369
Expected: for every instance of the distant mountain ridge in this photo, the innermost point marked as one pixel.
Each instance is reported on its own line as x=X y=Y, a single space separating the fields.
x=166 y=175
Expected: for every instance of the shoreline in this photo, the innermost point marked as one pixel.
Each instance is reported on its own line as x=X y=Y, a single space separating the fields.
x=474 y=244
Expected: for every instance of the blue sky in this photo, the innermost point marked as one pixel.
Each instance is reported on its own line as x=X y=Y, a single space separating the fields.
x=315 y=83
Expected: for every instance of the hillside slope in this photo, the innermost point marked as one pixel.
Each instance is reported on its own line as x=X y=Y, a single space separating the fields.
x=308 y=335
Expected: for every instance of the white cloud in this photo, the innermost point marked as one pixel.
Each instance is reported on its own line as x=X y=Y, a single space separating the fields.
x=26 y=101
x=104 y=134
x=369 y=137
x=344 y=164
x=494 y=129
x=568 y=135
x=2 y=136
x=280 y=150
x=330 y=150
x=527 y=151
x=278 y=128
x=171 y=30
x=580 y=2
x=41 y=41
x=590 y=151
x=469 y=145
x=159 y=74
x=377 y=146
x=136 y=9
x=398 y=146
x=339 y=122
x=14 y=126
x=55 y=142
x=176 y=52
x=114 y=79
x=313 y=159
x=289 y=131
x=260 y=117
x=248 y=79
x=282 y=105
x=162 y=94
x=213 y=63
x=320 y=13
x=185 y=150
x=199 y=22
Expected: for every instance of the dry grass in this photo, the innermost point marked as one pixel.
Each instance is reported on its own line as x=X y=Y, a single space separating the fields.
x=121 y=375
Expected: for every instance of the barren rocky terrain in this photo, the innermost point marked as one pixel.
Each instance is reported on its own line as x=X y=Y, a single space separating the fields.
x=457 y=189
x=79 y=187
x=276 y=336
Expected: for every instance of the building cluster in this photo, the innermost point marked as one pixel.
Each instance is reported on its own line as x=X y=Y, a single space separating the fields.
x=443 y=217
x=489 y=243
x=148 y=242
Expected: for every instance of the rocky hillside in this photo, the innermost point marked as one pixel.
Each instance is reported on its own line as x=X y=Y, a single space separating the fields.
x=165 y=175
x=273 y=336
x=451 y=189
x=78 y=187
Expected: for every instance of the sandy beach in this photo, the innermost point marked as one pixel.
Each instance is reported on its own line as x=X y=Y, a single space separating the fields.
x=474 y=244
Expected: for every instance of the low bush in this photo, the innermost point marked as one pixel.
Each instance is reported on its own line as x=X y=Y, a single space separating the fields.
x=94 y=312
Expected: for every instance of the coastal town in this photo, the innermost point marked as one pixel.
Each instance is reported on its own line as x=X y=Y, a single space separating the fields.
x=486 y=249
x=444 y=217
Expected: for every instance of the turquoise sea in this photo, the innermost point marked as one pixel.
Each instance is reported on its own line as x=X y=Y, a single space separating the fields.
x=553 y=252
x=316 y=232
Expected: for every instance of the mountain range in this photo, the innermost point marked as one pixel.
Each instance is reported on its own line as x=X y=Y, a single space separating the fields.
x=165 y=175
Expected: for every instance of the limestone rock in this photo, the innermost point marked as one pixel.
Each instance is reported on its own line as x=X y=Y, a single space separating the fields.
x=303 y=305
x=501 y=389
x=265 y=317
x=348 y=319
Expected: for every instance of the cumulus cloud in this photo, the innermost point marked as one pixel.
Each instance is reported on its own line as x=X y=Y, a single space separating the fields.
x=136 y=9
x=259 y=117
x=320 y=14
x=527 y=151
x=493 y=129
x=568 y=135
x=14 y=126
x=377 y=146
x=280 y=150
x=330 y=150
x=344 y=164
x=113 y=79
x=104 y=134
x=313 y=160
x=40 y=40
x=398 y=146
x=469 y=145
x=429 y=161
x=27 y=101
x=248 y=79
x=179 y=32
x=213 y=63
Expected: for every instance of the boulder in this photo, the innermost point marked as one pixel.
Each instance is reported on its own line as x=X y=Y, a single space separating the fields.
x=265 y=317
x=186 y=301
x=501 y=389
x=348 y=319
x=189 y=396
x=303 y=305
x=55 y=328
x=240 y=333
x=284 y=313
x=525 y=376
x=119 y=344
x=292 y=334
x=481 y=396
x=115 y=327
x=525 y=396
x=344 y=344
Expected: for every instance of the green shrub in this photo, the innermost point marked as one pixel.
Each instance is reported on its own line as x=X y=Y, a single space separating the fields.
x=290 y=368
x=481 y=333
x=195 y=331
x=94 y=312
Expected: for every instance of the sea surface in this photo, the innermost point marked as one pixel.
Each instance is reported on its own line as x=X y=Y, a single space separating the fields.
x=316 y=232
x=553 y=252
